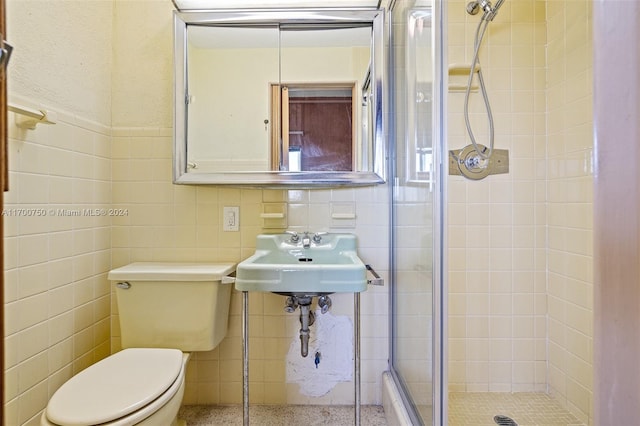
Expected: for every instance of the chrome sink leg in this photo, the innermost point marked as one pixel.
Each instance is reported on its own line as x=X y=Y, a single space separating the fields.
x=245 y=358
x=356 y=347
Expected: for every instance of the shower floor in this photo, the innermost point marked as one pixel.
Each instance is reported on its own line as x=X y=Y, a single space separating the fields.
x=526 y=409
x=276 y=415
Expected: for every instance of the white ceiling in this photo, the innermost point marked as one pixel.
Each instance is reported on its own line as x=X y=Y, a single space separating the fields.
x=260 y=4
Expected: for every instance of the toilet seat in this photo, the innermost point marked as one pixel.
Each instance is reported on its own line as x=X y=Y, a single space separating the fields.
x=133 y=383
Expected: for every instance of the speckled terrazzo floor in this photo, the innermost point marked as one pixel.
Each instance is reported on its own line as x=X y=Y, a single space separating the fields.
x=465 y=409
x=276 y=415
x=526 y=409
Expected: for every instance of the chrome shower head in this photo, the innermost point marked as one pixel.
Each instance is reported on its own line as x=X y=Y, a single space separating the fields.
x=473 y=7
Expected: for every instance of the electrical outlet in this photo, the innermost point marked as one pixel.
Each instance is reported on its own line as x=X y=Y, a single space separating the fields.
x=230 y=218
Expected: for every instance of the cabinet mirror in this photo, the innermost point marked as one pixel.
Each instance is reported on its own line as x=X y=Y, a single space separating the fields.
x=279 y=98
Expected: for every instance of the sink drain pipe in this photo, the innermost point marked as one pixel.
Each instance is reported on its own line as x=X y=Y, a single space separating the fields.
x=307 y=318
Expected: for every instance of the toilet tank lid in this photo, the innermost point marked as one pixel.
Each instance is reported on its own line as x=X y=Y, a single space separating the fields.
x=115 y=387
x=172 y=271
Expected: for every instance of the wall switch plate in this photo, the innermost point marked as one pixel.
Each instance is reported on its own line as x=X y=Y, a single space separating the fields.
x=230 y=218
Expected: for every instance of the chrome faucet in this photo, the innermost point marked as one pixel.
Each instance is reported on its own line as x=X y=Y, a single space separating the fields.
x=317 y=237
x=294 y=236
x=306 y=240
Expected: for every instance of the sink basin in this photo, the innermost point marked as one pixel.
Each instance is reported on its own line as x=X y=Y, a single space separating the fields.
x=283 y=265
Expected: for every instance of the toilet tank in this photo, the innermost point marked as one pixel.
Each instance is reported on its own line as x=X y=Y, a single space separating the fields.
x=173 y=305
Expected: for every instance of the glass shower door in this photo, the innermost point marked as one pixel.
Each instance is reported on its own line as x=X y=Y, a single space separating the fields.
x=415 y=356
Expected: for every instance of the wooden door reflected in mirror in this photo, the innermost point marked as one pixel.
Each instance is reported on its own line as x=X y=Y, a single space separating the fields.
x=318 y=130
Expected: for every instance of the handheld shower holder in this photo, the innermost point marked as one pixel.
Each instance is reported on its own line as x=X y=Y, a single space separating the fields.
x=489 y=10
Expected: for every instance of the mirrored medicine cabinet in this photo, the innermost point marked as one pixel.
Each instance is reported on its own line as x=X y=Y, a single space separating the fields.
x=290 y=98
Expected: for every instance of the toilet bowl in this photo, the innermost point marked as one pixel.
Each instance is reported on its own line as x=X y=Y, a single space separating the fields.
x=132 y=387
x=165 y=311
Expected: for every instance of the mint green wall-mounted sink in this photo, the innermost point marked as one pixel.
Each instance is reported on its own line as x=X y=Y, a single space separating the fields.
x=303 y=264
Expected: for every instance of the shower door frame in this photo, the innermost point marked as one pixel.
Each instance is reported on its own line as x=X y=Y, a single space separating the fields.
x=439 y=188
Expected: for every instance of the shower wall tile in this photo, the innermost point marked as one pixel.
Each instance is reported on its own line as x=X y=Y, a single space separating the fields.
x=494 y=303
x=56 y=258
x=570 y=205
x=537 y=252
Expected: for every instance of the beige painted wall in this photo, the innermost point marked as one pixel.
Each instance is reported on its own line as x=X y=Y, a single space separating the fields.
x=63 y=55
x=142 y=72
x=231 y=101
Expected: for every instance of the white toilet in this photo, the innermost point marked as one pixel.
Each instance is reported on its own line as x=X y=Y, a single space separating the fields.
x=166 y=311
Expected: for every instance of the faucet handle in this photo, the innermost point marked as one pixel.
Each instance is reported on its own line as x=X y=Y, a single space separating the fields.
x=317 y=237
x=294 y=236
